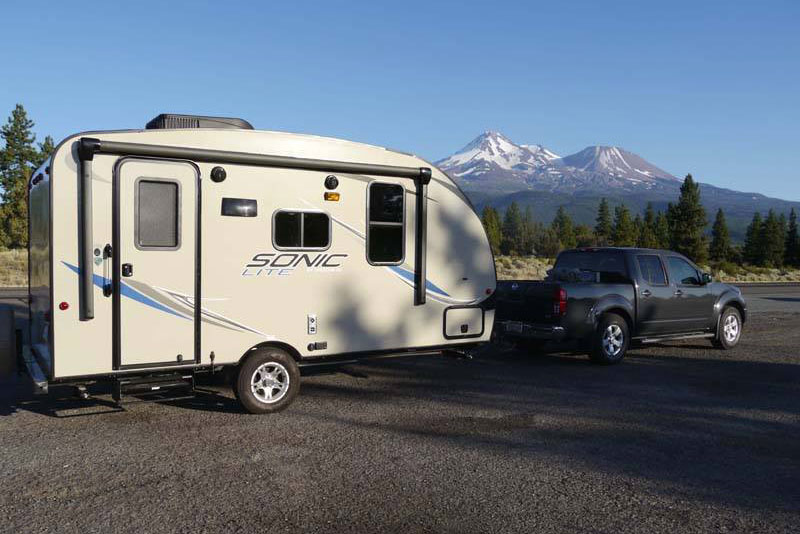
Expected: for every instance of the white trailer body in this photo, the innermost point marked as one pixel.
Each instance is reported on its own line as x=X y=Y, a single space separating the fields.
x=183 y=248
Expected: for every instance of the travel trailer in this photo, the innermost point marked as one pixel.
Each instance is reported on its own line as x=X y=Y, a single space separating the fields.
x=199 y=243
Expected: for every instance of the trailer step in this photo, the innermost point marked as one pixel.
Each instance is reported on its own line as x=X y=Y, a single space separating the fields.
x=35 y=373
x=153 y=388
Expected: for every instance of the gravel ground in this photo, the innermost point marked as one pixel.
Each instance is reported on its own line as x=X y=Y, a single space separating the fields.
x=678 y=438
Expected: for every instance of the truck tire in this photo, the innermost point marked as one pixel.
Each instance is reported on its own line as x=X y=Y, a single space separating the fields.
x=729 y=331
x=8 y=342
x=268 y=381
x=611 y=340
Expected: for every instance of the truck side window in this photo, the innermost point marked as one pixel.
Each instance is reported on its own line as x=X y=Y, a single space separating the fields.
x=301 y=230
x=652 y=270
x=157 y=214
x=385 y=227
x=682 y=272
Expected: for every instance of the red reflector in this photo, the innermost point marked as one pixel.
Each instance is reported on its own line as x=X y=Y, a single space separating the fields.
x=63 y=306
x=489 y=291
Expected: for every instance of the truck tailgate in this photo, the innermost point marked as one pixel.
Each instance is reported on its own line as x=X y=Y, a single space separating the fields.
x=525 y=301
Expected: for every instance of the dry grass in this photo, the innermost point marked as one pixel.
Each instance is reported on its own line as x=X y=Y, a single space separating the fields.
x=13 y=268
x=522 y=267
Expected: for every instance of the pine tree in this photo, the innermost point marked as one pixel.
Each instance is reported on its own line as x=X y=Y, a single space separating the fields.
x=584 y=236
x=772 y=241
x=720 y=239
x=17 y=159
x=46 y=149
x=687 y=223
x=648 y=236
x=491 y=223
x=529 y=230
x=662 y=230
x=564 y=229
x=753 y=251
x=638 y=227
x=602 y=228
x=792 y=243
x=623 y=233
x=512 y=231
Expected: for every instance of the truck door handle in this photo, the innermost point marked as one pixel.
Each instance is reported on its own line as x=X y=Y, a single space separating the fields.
x=678 y=292
x=127 y=269
x=646 y=293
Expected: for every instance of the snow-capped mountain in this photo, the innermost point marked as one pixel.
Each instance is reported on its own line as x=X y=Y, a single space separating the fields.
x=614 y=161
x=492 y=162
x=493 y=170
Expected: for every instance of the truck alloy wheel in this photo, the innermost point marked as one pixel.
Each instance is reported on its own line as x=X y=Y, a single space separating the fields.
x=730 y=329
x=611 y=340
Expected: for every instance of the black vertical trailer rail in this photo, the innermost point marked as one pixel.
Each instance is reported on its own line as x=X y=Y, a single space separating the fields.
x=89 y=146
x=86 y=150
x=421 y=239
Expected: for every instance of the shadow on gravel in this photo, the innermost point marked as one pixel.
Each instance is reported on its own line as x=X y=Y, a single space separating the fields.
x=723 y=430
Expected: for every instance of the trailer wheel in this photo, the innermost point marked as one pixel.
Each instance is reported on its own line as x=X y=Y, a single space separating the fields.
x=611 y=340
x=268 y=381
x=729 y=331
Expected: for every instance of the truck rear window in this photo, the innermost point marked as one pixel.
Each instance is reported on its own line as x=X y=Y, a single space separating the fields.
x=604 y=267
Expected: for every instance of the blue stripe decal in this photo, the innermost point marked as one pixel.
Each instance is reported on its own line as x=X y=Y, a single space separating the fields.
x=128 y=291
x=408 y=275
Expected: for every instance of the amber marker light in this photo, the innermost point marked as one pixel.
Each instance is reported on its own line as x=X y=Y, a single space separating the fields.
x=332 y=197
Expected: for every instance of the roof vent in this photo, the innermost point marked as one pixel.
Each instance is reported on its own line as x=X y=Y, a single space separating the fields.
x=167 y=121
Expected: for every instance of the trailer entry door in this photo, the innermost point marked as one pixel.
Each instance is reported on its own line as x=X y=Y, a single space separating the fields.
x=155 y=263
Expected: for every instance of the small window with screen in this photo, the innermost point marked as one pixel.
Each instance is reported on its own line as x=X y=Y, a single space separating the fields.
x=157 y=214
x=301 y=230
x=385 y=224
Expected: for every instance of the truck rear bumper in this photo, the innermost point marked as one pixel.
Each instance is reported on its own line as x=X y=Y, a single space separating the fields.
x=519 y=329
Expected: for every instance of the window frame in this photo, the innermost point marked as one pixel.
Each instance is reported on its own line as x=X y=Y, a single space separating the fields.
x=178 y=212
x=302 y=228
x=401 y=225
x=663 y=270
x=690 y=264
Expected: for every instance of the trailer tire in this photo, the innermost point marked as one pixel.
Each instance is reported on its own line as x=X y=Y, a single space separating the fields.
x=611 y=340
x=268 y=381
x=729 y=331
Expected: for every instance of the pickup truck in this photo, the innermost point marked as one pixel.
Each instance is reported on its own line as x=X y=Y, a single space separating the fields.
x=606 y=298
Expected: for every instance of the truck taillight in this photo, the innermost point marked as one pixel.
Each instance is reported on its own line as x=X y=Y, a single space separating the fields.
x=560 y=302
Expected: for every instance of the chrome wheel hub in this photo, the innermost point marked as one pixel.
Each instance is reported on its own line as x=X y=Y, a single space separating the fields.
x=613 y=340
x=270 y=382
x=730 y=328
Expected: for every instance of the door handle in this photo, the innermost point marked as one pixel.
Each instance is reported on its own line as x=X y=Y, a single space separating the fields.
x=108 y=253
x=127 y=269
x=646 y=293
x=678 y=292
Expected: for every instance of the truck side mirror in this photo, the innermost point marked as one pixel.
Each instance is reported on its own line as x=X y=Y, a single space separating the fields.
x=706 y=278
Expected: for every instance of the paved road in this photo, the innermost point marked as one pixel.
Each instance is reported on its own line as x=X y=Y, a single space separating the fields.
x=679 y=438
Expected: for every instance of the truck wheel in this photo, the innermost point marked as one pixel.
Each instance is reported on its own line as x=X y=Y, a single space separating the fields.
x=730 y=329
x=611 y=340
x=268 y=381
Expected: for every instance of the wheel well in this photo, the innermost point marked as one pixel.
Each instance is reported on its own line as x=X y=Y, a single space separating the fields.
x=622 y=313
x=277 y=344
x=736 y=305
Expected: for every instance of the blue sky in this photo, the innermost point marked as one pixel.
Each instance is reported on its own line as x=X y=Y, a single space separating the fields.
x=711 y=88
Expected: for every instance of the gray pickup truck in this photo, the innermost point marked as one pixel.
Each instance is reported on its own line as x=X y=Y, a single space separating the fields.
x=606 y=298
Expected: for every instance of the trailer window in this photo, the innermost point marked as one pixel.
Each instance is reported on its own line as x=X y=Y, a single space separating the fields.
x=385 y=229
x=157 y=214
x=301 y=229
